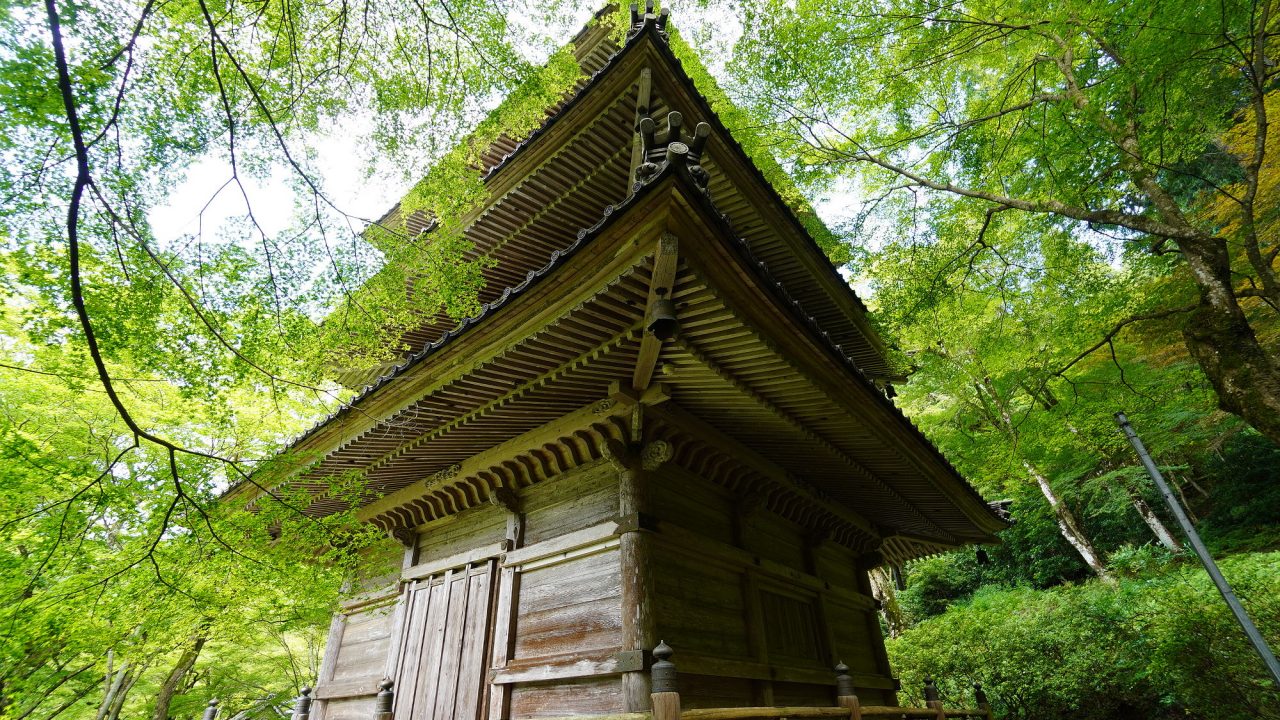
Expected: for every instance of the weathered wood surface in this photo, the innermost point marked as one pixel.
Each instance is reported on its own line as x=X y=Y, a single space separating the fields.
x=747 y=713
x=464 y=557
x=484 y=525
x=635 y=565
x=357 y=708
x=442 y=673
x=578 y=499
x=347 y=689
x=665 y=257
x=574 y=697
x=583 y=664
x=562 y=545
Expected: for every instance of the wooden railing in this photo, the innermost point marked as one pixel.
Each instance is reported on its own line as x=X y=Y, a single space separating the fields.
x=666 y=702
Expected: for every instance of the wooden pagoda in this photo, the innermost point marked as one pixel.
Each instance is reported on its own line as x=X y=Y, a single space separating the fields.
x=668 y=422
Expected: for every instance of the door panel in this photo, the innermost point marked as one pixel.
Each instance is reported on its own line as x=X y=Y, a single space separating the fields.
x=442 y=669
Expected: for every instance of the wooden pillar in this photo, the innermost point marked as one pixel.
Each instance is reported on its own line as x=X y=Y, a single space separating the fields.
x=506 y=610
x=846 y=695
x=638 y=625
x=863 y=566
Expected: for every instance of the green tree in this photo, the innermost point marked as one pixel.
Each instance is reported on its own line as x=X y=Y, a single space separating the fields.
x=1108 y=121
x=142 y=376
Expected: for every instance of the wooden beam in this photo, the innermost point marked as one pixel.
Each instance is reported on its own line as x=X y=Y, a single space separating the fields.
x=644 y=88
x=665 y=257
x=849 y=461
x=683 y=421
x=694 y=663
x=576 y=540
x=600 y=267
x=579 y=419
x=584 y=664
x=466 y=557
x=514 y=394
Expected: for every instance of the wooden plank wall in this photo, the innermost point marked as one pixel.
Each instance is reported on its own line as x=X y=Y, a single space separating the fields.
x=568 y=605
x=550 y=634
x=360 y=638
x=758 y=610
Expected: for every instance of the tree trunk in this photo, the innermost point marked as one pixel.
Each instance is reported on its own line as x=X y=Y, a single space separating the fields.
x=113 y=691
x=1154 y=522
x=883 y=590
x=171 y=683
x=110 y=687
x=1067 y=524
x=1219 y=337
x=118 y=703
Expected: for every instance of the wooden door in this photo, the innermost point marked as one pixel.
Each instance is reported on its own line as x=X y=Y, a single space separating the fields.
x=443 y=651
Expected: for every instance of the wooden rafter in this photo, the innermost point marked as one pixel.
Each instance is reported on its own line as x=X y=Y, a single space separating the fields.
x=507 y=464
x=682 y=421
x=813 y=436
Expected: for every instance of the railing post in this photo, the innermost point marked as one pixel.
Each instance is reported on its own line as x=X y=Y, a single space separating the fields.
x=383 y=703
x=981 y=698
x=211 y=712
x=662 y=683
x=846 y=695
x=302 y=707
x=932 y=700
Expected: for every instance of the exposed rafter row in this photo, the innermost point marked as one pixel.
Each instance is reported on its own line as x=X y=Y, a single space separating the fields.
x=453 y=492
x=770 y=407
x=743 y=480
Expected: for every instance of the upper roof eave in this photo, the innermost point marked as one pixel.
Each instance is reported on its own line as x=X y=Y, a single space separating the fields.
x=838 y=289
x=978 y=509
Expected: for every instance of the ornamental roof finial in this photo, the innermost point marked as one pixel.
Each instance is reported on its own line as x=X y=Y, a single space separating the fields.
x=639 y=20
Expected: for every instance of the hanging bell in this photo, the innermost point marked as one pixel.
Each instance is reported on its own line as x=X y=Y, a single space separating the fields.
x=662 y=317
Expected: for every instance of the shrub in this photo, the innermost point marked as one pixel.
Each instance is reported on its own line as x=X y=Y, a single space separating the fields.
x=1159 y=646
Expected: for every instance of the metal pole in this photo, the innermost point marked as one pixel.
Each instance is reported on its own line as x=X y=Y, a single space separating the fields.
x=1255 y=637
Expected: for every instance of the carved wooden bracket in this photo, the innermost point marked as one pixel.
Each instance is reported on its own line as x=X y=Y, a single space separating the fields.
x=504 y=498
x=403 y=535
x=656 y=454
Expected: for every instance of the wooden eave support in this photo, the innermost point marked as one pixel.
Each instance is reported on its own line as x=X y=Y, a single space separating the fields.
x=576 y=421
x=736 y=167
x=679 y=419
x=644 y=90
x=854 y=466
x=720 y=266
x=665 y=258
x=514 y=394
x=599 y=265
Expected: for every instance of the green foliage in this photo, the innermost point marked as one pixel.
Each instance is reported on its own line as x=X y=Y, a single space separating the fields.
x=1160 y=644
x=1242 y=509
x=117 y=556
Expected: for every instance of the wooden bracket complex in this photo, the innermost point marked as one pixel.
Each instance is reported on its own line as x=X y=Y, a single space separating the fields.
x=660 y=285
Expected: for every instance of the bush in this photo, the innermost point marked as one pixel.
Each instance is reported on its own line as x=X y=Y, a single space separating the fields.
x=1159 y=646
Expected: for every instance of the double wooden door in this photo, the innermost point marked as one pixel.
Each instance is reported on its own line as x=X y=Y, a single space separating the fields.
x=444 y=647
